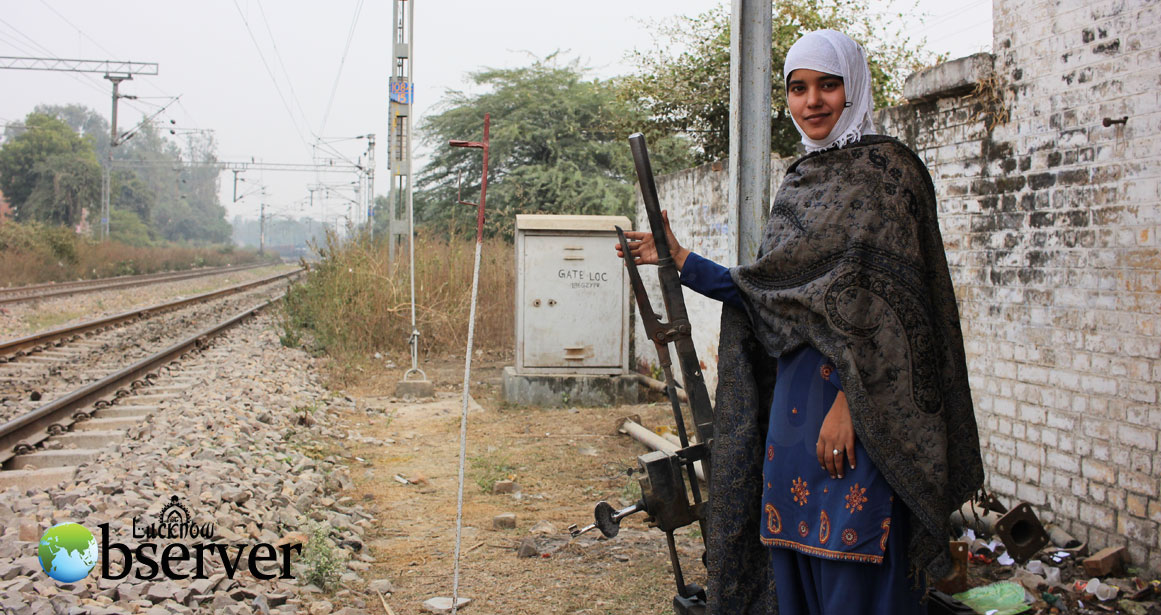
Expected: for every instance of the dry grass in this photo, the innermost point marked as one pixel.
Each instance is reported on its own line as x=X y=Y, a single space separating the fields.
x=353 y=303
x=32 y=253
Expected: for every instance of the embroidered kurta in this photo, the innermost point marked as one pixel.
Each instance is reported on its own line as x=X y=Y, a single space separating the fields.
x=803 y=508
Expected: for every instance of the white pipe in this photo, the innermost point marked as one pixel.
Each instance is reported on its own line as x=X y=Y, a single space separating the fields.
x=658 y=443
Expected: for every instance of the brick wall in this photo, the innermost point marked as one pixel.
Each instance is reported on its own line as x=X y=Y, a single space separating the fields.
x=1050 y=220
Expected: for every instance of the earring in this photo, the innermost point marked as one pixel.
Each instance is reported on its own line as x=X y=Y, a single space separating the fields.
x=847 y=104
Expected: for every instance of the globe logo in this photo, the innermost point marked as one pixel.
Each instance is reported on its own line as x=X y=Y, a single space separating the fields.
x=67 y=552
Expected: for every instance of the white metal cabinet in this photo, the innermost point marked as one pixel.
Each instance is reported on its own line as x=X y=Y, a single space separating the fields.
x=572 y=310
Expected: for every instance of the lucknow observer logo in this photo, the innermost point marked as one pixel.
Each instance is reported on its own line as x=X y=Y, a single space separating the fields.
x=68 y=552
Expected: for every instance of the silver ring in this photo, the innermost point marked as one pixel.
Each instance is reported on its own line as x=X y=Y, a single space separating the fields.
x=835 y=452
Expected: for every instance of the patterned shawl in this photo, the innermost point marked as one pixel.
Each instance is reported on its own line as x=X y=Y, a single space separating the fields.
x=852 y=263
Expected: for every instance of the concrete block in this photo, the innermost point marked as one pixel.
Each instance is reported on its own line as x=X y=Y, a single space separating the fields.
x=1104 y=562
x=951 y=78
x=505 y=486
x=54 y=459
x=40 y=479
x=504 y=521
x=416 y=389
x=90 y=439
x=562 y=390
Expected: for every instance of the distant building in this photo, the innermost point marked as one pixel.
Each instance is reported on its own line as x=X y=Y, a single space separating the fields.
x=6 y=212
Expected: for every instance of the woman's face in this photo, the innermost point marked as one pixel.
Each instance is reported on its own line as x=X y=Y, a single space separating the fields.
x=816 y=101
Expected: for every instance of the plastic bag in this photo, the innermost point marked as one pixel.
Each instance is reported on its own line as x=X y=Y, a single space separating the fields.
x=1004 y=598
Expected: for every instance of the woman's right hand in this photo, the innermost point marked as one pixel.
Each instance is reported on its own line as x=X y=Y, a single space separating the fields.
x=644 y=250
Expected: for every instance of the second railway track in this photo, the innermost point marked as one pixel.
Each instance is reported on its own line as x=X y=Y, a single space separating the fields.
x=34 y=292
x=42 y=367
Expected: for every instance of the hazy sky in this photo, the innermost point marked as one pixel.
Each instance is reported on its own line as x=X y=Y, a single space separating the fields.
x=212 y=53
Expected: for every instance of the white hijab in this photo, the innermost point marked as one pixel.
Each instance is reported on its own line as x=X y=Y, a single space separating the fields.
x=834 y=53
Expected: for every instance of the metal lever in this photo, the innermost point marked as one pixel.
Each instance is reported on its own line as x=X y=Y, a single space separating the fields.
x=608 y=520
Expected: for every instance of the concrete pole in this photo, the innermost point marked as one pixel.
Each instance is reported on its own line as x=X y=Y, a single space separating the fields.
x=107 y=179
x=750 y=109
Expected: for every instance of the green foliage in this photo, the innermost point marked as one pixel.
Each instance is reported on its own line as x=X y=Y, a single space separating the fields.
x=126 y=227
x=557 y=145
x=321 y=559
x=487 y=471
x=47 y=171
x=65 y=185
x=689 y=91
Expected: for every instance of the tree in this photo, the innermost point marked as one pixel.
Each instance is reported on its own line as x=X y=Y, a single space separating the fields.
x=65 y=185
x=45 y=149
x=557 y=145
x=689 y=92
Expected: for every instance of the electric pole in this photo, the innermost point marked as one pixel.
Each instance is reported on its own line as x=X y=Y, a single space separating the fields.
x=114 y=71
x=371 y=184
x=401 y=93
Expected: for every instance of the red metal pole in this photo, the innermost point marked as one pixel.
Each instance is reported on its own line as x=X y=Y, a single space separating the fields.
x=483 y=181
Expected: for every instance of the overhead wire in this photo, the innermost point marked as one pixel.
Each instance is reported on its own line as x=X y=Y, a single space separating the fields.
x=282 y=65
x=269 y=72
x=342 y=61
x=148 y=82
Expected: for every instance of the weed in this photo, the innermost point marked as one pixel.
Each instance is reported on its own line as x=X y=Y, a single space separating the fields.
x=355 y=302
x=38 y=253
x=322 y=563
x=487 y=471
x=631 y=492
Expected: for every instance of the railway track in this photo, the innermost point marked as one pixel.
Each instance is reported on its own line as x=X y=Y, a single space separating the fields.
x=18 y=294
x=61 y=384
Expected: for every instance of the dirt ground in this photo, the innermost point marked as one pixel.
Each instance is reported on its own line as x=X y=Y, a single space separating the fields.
x=564 y=461
x=404 y=463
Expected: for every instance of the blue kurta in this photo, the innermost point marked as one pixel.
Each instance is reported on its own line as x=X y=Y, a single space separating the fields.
x=804 y=509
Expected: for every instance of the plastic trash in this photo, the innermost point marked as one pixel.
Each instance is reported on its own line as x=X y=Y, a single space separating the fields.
x=1004 y=598
x=1103 y=591
x=1051 y=574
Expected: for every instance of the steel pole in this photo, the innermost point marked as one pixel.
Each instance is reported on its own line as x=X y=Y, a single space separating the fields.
x=750 y=102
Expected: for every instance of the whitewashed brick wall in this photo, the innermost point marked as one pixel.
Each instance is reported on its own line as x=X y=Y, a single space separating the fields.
x=1050 y=221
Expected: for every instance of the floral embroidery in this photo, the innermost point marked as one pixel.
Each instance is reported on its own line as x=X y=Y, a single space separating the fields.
x=773 y=520
x=803 y=528
x=850 y=537
x=886 y=530
x=824 y=528
x=794 y=411
x=855 y=498
x=800 y=491
x=825 y=371
x=770 y=453
x=840 y=556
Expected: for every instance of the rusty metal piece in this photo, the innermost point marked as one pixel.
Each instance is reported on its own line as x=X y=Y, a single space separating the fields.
x=1019 y=529
x=481 y=145
x=955 y=582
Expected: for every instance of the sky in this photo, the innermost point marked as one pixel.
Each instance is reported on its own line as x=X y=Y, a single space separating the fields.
x=268 y=77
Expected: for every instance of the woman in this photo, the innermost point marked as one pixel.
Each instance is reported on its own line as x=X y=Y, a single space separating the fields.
x=834 y=480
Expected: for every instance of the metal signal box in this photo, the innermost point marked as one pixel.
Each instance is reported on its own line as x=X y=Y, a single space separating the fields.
x=572 y=296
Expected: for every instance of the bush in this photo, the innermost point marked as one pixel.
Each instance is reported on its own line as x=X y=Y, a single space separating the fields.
x=353 y=304
x=32 y=253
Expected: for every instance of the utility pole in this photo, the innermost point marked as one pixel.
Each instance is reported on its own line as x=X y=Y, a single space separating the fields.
x=371 y=184
x=262 y=223
x=749 y=183
x=401 y=93
x=115 y=72
x=107 y=177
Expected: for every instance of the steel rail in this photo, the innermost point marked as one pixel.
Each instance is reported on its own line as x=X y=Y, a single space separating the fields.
x=92 y=286
x=10 y=349
x=28 y=430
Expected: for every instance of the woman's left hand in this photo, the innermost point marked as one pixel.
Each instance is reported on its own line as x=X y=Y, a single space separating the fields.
x=837 y=434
